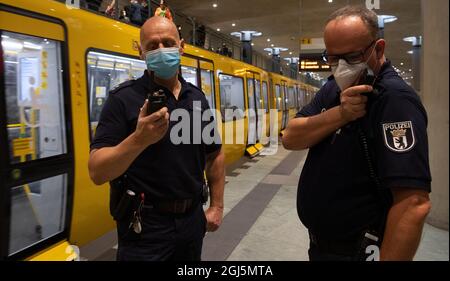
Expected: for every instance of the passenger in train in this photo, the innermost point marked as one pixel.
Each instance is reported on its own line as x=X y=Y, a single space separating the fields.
x=161 y=184
x=137 y=11
x=163 y=11
x=111 y=9
x=364 y=190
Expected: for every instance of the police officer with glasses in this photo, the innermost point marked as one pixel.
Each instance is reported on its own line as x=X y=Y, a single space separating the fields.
x=364 y=190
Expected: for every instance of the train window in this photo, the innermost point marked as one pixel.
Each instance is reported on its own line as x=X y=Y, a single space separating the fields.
x=278 y=96
x=105 y=71
x=207 y=77
x=285 y=98
x=34 y=97
x=189 y=74
x=302 y=97
x=265 y=96
x=259 y=101
x=291 y=98
x=231 y=97
x=251 y=93
x=37 y=212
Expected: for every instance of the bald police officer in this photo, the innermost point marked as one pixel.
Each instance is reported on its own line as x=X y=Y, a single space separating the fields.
x=133 y=150
x=364 y=190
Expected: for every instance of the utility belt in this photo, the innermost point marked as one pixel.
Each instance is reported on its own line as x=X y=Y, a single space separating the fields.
x=125 y=201
x=173 y=207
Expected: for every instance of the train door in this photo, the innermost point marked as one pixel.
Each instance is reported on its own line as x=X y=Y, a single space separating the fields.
x=201 y=74
x=254 y=103
x=207 y=83
x=297 y=97
x=278 y=102
x=36 y=165
x=266 y=100
x=284 y=104
x=259 y=108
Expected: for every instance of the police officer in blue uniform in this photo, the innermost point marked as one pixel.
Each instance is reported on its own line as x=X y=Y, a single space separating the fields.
x=364 y=190
x=157 y=185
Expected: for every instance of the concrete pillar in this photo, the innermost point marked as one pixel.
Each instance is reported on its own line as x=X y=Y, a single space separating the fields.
x=247 y=52
x=435 y=92
x=276 y=63
x=416 y=65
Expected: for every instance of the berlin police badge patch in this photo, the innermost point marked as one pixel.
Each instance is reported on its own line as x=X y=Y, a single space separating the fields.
x=399 y=137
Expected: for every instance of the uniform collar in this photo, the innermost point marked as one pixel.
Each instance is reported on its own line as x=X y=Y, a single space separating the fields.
x=386 y=68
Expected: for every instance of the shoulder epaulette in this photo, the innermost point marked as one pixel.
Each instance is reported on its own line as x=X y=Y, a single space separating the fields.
x=122 y=86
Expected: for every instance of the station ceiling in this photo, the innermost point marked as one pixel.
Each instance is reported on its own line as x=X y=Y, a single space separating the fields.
x=285 y=22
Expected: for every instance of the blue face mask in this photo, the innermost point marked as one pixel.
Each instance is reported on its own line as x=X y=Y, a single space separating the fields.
x=164 y=62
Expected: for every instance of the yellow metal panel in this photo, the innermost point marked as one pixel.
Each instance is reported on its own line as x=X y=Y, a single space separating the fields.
x=59 y=252
x=189 y=62
x=26 y=25
x=22 y=147
x=206 y=65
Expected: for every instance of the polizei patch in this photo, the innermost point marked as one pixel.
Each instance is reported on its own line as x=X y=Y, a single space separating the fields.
x=399 y=137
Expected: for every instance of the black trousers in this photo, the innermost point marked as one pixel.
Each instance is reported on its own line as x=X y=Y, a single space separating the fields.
x=315 y=254
x=164 y=237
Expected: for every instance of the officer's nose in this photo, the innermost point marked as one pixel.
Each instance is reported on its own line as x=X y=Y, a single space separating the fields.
x=161 y=45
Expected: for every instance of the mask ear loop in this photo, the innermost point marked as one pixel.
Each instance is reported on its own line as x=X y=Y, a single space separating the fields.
x=369 y=69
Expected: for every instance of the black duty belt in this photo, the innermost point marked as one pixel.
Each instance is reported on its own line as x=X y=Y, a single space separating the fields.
x=176 y=207
x=348 y=247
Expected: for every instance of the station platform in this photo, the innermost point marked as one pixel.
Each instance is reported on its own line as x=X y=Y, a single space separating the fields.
x=260 y=217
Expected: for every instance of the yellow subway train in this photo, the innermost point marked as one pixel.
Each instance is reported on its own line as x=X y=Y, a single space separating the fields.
x=57 y=66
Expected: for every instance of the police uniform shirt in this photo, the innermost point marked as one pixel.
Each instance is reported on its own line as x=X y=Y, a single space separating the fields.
x=164 y=170
x=336 y=196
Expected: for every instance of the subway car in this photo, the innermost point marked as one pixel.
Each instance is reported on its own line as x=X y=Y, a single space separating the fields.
x=57 y=66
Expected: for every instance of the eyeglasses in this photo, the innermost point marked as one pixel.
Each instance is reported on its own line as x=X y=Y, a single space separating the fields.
x=350 y=58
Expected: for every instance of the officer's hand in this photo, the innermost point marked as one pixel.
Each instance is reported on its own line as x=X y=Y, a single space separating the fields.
x=353 y=104
x=151 y=128
x=213 y=218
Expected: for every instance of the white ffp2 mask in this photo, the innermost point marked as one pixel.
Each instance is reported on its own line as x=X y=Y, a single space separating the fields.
x=346 y=74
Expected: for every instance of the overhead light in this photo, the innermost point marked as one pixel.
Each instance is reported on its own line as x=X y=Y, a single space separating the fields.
x=11 y=45
x=215 y=5
x=233 y=24
x=253 y=44
x=410 y=70
x=218 y=29
x=272 y=45
x=268 y=39
x=290 y=53
x=330 y=1
x=414 y=40
x=401 y=63
x=409 y=39
x=410 y=52
x=29 y=45
x=387 y=18
x=246 y=35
